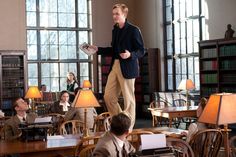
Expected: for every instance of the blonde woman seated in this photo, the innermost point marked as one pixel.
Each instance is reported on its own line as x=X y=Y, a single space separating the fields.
x=78 y=114
x=195 y=127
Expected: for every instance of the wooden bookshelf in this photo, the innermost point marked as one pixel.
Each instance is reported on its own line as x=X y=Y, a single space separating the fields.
x=12 y=79
x=217 y=66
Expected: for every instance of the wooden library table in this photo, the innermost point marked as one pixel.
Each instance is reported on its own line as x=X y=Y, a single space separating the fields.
x=174 y=112
x=59 y=145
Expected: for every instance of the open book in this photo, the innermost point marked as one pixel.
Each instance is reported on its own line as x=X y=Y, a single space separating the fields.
x=86 y=49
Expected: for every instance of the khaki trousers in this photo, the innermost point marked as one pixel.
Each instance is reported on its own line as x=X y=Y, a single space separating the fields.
x=117 y=84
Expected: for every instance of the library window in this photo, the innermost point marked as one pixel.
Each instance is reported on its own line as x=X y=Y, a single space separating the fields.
x=182 y=24
x=55 y=28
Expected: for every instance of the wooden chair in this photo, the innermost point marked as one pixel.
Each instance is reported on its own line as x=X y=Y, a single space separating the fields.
x=107 y=123
x=206 y=143
x=85 y=141
x=232 y=143
x=57 y=120
x=99 y=122
x=87 y=151
x=135 y=137
x=180 y=147
x=157 y=120
x=71 y=127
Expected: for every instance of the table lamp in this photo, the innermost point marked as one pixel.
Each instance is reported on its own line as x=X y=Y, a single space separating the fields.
x=33 y=93
x=220 y=110
x=85 y=99
x=186 y=85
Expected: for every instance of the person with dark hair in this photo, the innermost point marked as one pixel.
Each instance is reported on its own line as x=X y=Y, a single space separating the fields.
x=72 y=84
x=76 y=113
x=61 y=106
x=126 y=48
x=114 y=142
x=43 y=88
x=11 y=128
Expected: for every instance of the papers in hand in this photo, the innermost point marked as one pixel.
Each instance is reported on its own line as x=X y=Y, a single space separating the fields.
x=86 y=49
x=43 y=120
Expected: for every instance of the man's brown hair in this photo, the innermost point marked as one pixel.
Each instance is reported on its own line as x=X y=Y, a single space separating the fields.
x=123 y=8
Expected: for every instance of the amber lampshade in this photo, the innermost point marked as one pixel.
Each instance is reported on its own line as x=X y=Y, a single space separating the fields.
x=85 y=99
x=186 y=85
x=220 y=110
x=33 y=92
x=87 y=84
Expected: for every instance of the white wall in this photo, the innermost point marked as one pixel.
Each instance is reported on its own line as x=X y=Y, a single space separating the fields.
x=12 y=25
x=102 y=22
x=218 y=14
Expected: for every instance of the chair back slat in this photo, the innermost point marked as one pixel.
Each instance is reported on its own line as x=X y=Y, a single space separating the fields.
x=206 y=143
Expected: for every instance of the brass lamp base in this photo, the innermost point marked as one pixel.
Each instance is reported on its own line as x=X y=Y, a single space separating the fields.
x=86 y=132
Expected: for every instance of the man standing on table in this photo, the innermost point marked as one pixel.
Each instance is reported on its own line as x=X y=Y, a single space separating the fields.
x=126 y=48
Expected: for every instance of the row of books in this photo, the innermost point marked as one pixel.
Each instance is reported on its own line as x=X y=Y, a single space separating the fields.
x=209 y=65
x=206 y=91
x=228 y=64
x=228 y=50
x=15 y=92
x=209 y=53
x=228 y=78
x=6 y=104
x=209 y=78
x=105 y=69
x=51 y=96
x=12 y=83
x=13 y=72
x=228 y=89
x=106 y=60
x=11 y=61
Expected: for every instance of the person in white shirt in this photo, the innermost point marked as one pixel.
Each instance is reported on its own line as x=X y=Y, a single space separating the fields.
x=61 y=106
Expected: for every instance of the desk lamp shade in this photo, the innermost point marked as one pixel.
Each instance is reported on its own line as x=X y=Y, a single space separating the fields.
x=87 y=84
x=186 y=85
x=33 y=92
x=85 y=99
x=220 y=109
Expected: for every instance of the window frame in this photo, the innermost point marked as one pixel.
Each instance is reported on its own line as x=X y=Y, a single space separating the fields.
x=79 y=55
x=175 y=56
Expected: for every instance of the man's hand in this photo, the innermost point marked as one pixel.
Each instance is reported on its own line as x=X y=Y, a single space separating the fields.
x=93 y=47
x=126 y=54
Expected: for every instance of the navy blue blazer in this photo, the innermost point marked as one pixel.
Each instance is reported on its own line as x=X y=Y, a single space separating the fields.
x=130 y=39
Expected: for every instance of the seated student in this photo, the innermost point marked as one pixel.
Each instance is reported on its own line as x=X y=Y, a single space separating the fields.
x=11 y=130
x=195 y=127
x=61 y=106
x=78 y=113
x=114 y=142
